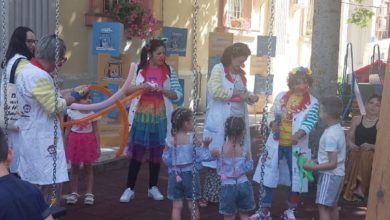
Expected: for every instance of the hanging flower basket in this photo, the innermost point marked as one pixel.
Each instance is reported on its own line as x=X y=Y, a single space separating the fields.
x=137 y=21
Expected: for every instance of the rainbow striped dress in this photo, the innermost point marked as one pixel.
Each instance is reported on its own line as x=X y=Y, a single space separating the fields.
x=149 y=126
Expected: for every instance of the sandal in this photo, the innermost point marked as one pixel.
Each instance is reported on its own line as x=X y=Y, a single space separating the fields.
x=89 y=199
x=203 y=203
x=72 y=198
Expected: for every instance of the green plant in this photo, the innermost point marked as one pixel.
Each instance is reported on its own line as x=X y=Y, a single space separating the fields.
x=137 y=21
x=360 y=15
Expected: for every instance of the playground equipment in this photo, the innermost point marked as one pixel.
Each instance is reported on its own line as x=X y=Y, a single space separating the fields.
x=357 y=86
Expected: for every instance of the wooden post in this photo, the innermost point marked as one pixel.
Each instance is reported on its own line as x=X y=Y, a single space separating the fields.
x=379 y=196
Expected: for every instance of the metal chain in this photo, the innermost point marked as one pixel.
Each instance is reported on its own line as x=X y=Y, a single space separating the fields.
x=55 y=138
x=195 y=99
x=379 y=61
x=345 y=81
x=264 y=123
x=5 y=78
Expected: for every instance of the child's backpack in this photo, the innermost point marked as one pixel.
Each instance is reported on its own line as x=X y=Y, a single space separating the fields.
x=12 y=101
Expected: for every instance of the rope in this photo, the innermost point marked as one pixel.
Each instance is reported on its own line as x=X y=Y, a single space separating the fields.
x=195 y=97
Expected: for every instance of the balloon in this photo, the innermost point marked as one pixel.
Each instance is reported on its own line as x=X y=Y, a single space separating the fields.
x=122 y=110
x=110 y=100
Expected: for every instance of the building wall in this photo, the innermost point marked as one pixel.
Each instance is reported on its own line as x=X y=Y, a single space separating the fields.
x=167 y=11
x=362 y=39
x=76 y=35
x=81 y=64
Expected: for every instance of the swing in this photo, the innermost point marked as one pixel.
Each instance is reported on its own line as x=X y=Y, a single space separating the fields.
x=195 y=100
x=347 y=101
x=360 y=90
x=376 y=79
x=55 y=210
x=264 y=130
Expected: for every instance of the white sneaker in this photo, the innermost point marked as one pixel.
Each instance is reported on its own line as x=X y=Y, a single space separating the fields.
x=289 y=215
x=259 y=215
x=155 y=193
x=127 y=195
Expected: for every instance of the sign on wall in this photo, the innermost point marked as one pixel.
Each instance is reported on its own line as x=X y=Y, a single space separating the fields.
x=107 y=38
x=112 y=69
x=212 y=62
x=176 y=40
x=262 y=45
x=258 y=65
x=261 y=84
x=218 y=41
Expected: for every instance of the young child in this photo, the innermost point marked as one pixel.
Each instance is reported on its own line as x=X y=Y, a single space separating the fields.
x=178 y=155
x=233 y=162
x=331 y=159
x=82 y=143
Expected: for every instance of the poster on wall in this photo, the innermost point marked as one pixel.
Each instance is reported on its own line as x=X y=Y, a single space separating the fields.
x=176 y=40
x=262 y=45
x=218 y=41
x=212 y=62
x=112 y=69
x=261 y=84
x=107 y=38
x=258 y=65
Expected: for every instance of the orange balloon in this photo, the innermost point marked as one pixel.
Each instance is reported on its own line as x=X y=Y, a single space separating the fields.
x=118 y=104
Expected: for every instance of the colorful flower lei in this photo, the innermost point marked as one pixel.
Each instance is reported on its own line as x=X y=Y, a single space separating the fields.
x=295 y=108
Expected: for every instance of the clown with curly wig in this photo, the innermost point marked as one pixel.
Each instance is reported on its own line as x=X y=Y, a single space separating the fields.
x=293 y=115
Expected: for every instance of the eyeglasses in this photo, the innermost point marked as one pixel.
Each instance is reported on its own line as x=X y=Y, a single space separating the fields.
x=31 y=41
x=63 y=59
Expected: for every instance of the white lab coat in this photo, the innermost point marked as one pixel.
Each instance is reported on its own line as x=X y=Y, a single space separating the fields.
x=276 y=172
x=216 y=114
x=36 y=128
x=13 y=135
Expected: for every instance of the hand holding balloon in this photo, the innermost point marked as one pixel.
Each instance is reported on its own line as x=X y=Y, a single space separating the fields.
x=113 y=98
x=301 y=160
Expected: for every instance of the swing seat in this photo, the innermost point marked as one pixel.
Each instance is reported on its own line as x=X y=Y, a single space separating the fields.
x=55 y=211
x=376 y=83
x=367 y=89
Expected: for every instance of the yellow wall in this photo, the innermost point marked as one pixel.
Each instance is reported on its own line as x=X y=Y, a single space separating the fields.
x=178 y=14
x=77 y=39
x=76 y=36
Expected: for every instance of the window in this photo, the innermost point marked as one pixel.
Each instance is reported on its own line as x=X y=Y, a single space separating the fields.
x=234 y=12
x=238 y=14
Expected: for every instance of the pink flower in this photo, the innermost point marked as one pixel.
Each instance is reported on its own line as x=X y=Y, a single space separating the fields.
x=137 y=21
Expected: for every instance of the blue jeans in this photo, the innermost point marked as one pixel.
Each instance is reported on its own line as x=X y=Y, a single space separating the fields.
x=292 y=198
x=235 y=198
x=183 y=189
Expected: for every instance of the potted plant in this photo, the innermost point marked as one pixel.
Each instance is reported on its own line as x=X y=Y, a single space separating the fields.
x=235 y=23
